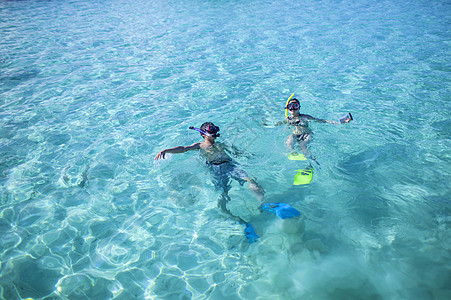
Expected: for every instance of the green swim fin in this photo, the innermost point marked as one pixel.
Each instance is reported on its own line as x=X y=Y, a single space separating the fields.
x=303 y=176
x=296 y=156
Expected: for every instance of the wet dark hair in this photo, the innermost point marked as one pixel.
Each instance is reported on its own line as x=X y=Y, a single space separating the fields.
x=210 y=128
x=205 y=125
x=294 y=100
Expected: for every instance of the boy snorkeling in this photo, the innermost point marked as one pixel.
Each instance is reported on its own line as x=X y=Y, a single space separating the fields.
x=222 y=167
x=217 y=158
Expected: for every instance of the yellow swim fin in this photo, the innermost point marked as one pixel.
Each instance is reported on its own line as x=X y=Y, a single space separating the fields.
x=304 y=176
x=296 y=156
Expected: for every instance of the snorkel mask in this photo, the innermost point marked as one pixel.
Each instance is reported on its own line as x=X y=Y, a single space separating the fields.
x=211 y=130
x=293 y=106
x=291 y=103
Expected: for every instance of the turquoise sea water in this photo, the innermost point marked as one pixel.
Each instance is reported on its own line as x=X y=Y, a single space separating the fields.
x=90 y=91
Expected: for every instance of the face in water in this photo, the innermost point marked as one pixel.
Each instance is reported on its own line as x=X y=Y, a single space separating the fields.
x=213 y=130
x=293 y=107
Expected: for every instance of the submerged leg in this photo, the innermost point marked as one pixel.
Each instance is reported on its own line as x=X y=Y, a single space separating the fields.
x=255 y=188
x=222 y=175
x=249 y=231
x=222 y=204
x=291 y=142
x=303 y=146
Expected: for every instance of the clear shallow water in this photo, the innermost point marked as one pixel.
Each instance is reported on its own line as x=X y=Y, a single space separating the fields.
x=90 y=91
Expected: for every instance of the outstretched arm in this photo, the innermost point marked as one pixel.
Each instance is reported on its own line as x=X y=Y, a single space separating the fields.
x=275 y=124
x=281 y=122
x=319 y=120
x=345 y=119
x=179 y=149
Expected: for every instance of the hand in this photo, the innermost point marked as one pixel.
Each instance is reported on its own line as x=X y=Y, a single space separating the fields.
x=160 y=155
x=346 y=119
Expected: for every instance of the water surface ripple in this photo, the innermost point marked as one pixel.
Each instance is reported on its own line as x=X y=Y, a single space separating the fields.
x=90 y=91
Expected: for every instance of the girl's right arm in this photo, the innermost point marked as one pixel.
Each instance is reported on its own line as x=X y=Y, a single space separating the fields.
x=285 y=121
x=179 y=149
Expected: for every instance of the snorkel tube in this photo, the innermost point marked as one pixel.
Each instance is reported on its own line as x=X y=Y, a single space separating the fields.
x=204 y=132
x=288 y=101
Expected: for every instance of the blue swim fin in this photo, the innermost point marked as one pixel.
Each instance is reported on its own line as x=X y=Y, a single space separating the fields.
x=250 y=233
x=282 y=210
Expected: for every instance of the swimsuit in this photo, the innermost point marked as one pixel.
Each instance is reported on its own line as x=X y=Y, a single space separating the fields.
x=302 y=136
x=224 y=170
x=306 y=132
x=299 y=122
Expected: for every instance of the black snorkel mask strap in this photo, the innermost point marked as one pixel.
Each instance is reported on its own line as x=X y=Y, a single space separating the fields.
x=204 y=132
